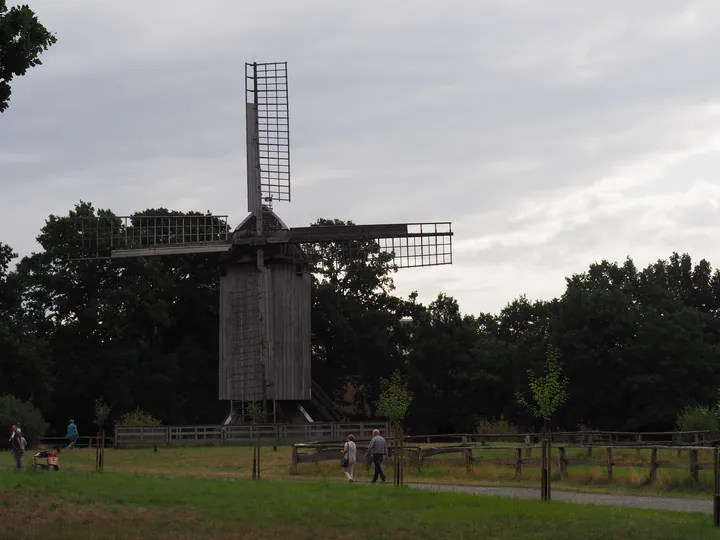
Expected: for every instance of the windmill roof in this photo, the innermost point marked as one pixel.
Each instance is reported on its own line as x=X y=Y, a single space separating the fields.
x=271 y=222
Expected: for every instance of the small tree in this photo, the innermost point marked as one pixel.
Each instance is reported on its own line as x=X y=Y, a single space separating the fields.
x=394 y=404
x=255 y=412
x=548 y=390
x=549 y=394
x=24 y=413
x=698 y=418
x=102 y=411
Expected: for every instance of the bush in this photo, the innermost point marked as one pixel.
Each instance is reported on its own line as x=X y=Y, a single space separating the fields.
x=24 y=413
x=495 y=427
x=698 y=418
x=137 y=418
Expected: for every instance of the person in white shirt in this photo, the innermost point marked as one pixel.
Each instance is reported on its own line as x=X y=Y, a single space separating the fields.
x=350 y=457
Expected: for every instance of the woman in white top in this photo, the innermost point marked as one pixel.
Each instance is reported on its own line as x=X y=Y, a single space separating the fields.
x=350 y=454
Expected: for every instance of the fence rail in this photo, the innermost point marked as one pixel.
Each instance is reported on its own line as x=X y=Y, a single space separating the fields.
x=590 y=438
x=82 y=442
x=188 y=435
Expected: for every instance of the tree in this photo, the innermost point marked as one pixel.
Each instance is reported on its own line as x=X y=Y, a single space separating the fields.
x=394 y=403
x=548 y=390
x=256 y=413
x=356 y=321
x=22 y=40
x=102 y=411
x=24 y=414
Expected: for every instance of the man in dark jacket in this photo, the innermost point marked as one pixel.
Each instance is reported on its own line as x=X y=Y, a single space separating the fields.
x=378 y=449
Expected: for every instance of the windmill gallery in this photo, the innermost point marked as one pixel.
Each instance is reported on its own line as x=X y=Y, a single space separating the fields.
x=265 y=283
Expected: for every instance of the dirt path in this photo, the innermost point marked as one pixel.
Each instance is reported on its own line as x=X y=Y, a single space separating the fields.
x=655 y=503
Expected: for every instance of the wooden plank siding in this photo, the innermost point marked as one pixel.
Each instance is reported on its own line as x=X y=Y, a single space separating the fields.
x=287 y=374
x=240 y=369
x=289 y=302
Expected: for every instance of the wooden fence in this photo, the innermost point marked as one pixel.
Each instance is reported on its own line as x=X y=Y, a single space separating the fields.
x=189 y=435
x=470 y=457
x=587 y=438
x=82 y=442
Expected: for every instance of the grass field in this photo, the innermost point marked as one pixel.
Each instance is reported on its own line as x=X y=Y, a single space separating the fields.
x=236 y=462
x=73 y=505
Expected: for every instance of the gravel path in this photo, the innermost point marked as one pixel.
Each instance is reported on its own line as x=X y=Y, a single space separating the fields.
x=655 y=503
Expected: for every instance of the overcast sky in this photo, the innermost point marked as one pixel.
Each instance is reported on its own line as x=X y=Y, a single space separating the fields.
x=551 y=133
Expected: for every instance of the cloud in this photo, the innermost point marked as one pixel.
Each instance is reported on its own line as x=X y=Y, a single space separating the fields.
x=553 y=134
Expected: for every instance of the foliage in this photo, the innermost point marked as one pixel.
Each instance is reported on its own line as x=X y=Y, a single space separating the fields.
x=548 y=390
x=137 y=418
x=24 y=414
x=22 y=40
x=495 y=427
x=394 y=399
x=102 y=411
x=637 y=344
x=698 y=418
x=255 y=412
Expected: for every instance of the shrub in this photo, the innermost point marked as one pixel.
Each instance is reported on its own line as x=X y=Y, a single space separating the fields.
x=137 y=418
x=495 y=427
x=698 y=418
x=14 y=411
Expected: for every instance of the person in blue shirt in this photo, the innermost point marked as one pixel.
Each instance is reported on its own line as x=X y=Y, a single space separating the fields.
x=72 y=433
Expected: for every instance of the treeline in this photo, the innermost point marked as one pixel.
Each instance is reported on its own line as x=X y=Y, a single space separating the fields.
x=637 y=345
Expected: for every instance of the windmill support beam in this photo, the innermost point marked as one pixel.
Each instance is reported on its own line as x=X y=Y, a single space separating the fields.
x=169 y=249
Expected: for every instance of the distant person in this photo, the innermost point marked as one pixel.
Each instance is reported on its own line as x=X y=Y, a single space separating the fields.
x=23 y=442
x=350 y=457
x=72 y=433
x=378 y=449
x=16 y=446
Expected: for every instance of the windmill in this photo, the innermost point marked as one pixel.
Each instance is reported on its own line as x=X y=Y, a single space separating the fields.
x=265 y=279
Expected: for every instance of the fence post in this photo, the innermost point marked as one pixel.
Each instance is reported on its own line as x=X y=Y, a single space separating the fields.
x=590 y=444
x=528 y=450
x=653 y=465
x=518 y=462
x=293 y=466
x=562 y=462
x=609 y=462
x=694 y=470
x=639 y=441
x=716 y=486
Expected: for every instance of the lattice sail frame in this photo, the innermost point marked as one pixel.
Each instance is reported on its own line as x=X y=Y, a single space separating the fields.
x=142 y=236
x=266 y=93
x=424 y=244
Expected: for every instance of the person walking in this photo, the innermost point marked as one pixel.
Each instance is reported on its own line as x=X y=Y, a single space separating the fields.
x=349 y=457
x=378 y=449
x=72 y=433
x=16 y=446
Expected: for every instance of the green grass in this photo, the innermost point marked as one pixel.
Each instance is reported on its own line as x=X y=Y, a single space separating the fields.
x=76 y=505
x=236 y=462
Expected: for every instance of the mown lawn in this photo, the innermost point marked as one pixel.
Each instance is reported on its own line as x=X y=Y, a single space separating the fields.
x=236 y=462
x=74 y=505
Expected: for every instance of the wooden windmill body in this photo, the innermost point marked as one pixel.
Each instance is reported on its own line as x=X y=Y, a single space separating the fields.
x=265 y=280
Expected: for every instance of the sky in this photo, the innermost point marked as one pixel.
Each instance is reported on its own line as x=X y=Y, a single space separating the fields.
x=552 y=134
